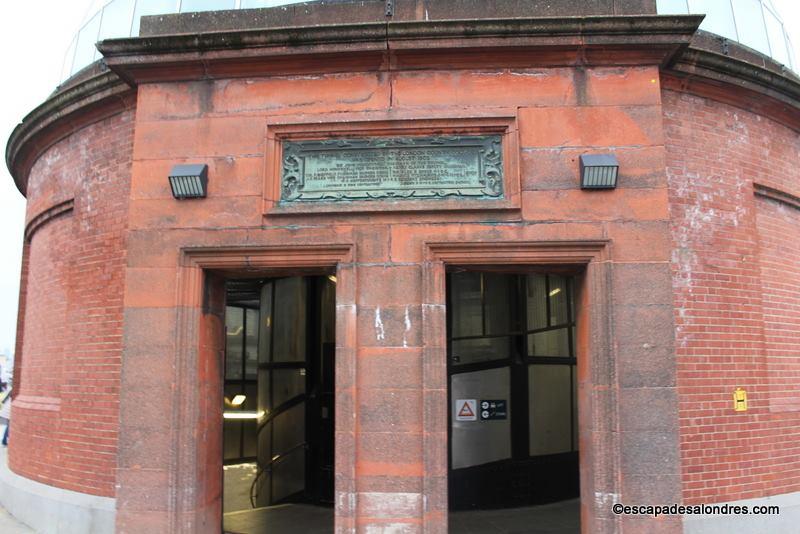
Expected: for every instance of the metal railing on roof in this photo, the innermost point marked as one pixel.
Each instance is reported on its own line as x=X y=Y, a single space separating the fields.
x=754 y=23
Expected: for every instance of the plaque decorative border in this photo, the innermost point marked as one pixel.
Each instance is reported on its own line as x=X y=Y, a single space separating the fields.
x=398 y=130
x=406 y=167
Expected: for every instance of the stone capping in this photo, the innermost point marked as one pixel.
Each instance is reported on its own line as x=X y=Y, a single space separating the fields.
x=787 y=199
x=44 y=217
x=719 y=67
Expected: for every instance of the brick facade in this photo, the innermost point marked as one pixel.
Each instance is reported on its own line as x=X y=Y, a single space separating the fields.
x=735 y=285
x=66 y=407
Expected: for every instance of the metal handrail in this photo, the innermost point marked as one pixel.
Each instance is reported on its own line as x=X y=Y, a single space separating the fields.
x=268 y=468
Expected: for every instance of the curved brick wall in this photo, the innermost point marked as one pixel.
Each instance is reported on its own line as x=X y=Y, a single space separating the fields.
x=67 y=397
x=736 y=280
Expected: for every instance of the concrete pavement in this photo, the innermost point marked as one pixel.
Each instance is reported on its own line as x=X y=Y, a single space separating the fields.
x=9 y=525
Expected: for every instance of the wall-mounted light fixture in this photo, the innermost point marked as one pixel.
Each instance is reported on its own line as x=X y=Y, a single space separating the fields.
x=599 y=171
x=189 y=181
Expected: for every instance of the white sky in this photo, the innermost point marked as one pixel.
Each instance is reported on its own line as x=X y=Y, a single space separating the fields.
x=34 y=36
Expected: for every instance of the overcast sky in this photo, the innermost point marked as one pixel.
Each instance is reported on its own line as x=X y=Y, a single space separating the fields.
x=34 y=36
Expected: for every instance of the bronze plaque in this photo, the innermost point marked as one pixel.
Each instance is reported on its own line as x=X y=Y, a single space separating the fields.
x=468 y=166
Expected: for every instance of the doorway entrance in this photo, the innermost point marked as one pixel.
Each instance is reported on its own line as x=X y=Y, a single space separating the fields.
x=513 y=432
x=278 y=414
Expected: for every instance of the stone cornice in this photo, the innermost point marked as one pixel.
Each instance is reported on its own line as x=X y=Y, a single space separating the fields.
x=62 y=114
x=698 y=67
x=364 y=46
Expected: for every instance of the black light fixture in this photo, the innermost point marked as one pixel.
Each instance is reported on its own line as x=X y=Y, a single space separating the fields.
x=189 y=181
x=599 y=171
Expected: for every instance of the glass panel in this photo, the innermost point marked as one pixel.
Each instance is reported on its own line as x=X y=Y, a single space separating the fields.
x=69 y=57
x=250 y=425
x=328 y=315
x=151 y=7
x=251 y=396
x=467 y=313
x=289 y=429
x=750 y=24
x=264 y=484
x=289 y=329
x=777 y=41
x=550 y=425
x=288 y=383
x=574 y=408
x=251 y=344
x=672 y=7
x=288 y=475
x=188 y=6
x=264 y=403
x=558 y=300
x=85 y=51
x=231 y=435
x=249 y=448
x=549 y=343
x=231 y=429
x=479 y=442
x=480 y=350
x=498 y=303
x=719 y=17
x=117 y=18
x=234 y=339
x=265 y=325
x=537 y=302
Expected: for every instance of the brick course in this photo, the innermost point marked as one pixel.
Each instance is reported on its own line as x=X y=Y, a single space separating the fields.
x=67 y=410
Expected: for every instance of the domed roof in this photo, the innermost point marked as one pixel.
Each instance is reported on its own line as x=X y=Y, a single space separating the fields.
x=753 y=23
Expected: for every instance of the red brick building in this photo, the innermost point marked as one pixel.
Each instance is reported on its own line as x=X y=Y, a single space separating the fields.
x=613 y=325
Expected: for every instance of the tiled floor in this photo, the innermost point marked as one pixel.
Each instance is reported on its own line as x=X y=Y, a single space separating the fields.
x=556 y=518
x=238 y=479
x=281 y=519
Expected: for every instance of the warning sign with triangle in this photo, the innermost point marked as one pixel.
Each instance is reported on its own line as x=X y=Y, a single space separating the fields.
x=466 y=410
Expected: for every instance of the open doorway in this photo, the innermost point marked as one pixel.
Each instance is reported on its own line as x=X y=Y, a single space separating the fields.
x=278 y=414
x=513 y=432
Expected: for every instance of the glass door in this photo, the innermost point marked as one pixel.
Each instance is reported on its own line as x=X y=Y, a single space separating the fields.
x=295 y=431
x=511 y=366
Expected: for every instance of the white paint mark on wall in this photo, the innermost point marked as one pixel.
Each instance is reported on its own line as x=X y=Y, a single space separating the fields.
x=407 y=321
x=389 y=505
x=380 y=333
x=604 y=500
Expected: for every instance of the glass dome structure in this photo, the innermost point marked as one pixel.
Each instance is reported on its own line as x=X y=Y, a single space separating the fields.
x=120 y=18
x=754 y=23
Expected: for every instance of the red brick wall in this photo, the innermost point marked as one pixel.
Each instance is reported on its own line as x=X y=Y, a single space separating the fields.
x=715 y=153
x=66 y=409
x=779 y=234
